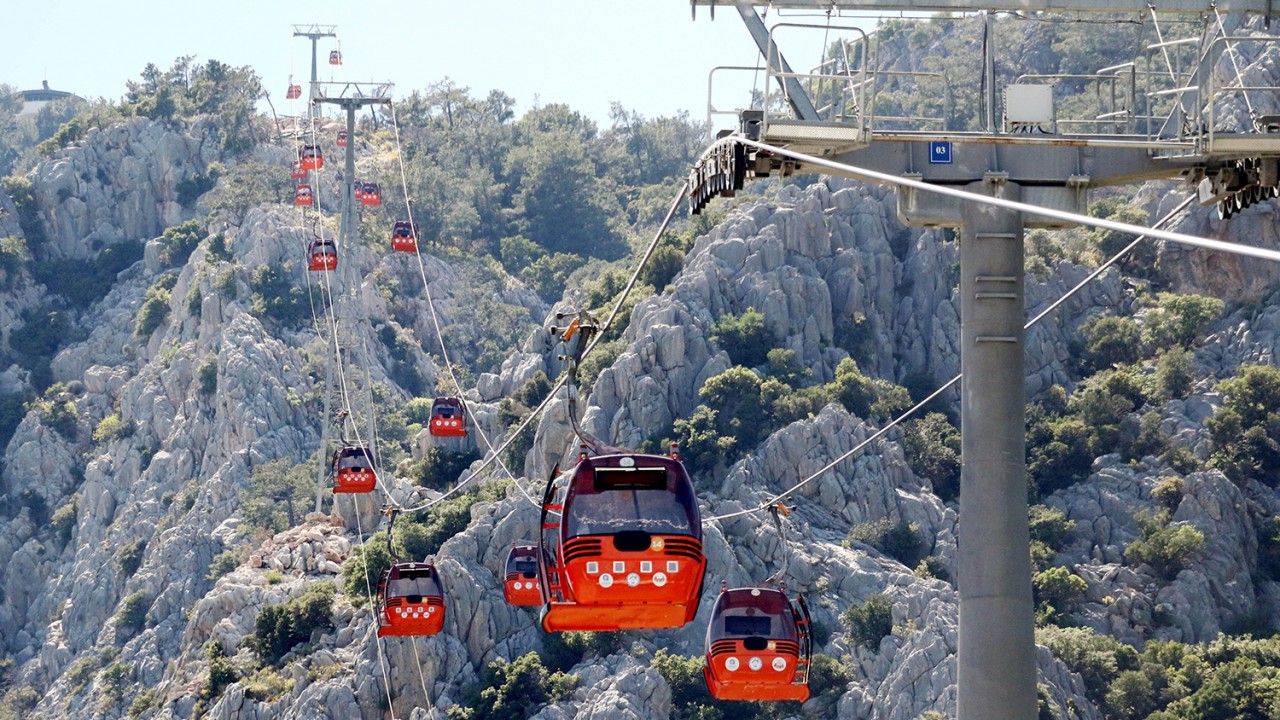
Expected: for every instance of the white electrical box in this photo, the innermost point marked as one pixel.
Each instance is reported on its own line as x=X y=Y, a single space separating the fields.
x=1028 y=105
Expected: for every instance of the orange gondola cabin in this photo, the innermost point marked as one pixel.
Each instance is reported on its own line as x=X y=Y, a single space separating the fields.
x=302 y=195
x=310 y=157
x=759 y=646
x=353 y=470
x=520 y=583
x=294 y=92
x=448 y=418
x=403 y=238
x=299 y=172
x=335 y=57
x=370 y=194
x=410 y=600
x=342 y=138
x=621 y=545
x=322 y=255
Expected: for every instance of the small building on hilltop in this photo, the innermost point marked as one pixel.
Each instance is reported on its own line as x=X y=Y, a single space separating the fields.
x=33 y=100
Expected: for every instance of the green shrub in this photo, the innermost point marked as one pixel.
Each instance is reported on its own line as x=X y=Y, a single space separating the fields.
x=114 y=681
x=18 y=702
x=931 y=445
x=281 y=627
x=1110 y=341
x=1057 y=592
x=277 y=297
x=63 y=417
x=1174 y=373
x=869 y=623
x=563 y=650
x=1179 y=319
x=900 y=540
x=222 y=672
x=180 y=240
x=143 y=702
x=828 y=679
x=1245 y=430
x=1169 y=492
x=64 y=518
x=1097 y=658
x=745 y=337
x=132 y=616
x=84 y=282
x=363 y=568
x=129 y=558
x=665 y=263
x=278 y=494
x=273 y=577
x=223 y=563
x=513 y=690
x=14 y=251
x=13 y=407
x=1166 y=548
x=155 y=306
x=440 y=468
x=207 y=375
x=266 y=685
x=112 y=427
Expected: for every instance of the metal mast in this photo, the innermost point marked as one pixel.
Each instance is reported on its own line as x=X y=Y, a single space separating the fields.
x=350 y=97
x=314 y=32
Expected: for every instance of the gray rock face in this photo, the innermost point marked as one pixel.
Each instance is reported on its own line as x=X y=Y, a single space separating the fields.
x=119 y=183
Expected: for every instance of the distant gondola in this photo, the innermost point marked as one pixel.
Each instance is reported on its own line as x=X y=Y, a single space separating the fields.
x=448 y=418
x=520 y=581
x=403 y=238
x=410 y=600
x=353 y=470
x=322 y=255
x=759 y=645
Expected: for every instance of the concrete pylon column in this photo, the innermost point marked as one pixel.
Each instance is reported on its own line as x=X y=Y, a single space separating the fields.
x=997 y=658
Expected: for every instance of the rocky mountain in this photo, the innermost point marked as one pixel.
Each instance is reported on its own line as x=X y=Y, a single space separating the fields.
x=162 y=562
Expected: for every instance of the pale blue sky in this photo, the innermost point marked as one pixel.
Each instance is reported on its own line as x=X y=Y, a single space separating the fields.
x=649 y=55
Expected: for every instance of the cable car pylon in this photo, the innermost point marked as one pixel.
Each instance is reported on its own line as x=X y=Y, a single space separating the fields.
x=350 y=97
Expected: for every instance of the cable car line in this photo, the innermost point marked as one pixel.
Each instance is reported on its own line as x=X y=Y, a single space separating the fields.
x=563 y=378
x=435 y=318
x=364 y=557
x=1075 y=218
x=947 y=386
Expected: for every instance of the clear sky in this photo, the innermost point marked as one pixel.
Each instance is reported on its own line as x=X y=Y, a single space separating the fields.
x=648 y=55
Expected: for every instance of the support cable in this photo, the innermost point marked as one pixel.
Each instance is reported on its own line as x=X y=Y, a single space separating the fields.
x=386 y=678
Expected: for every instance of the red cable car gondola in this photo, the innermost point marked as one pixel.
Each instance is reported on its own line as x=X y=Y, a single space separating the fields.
x=311 y=157
x=520 y=583
x=410 y=600
x=353 y=470
x=299 y=172
x=295 y=92
x=622 y=549
x=759 y=645
x=302 y=195
x=335 y=57
x=372 y=195
x=342 y=138
x=404 y=239
x=448 y=417
x=322 y=255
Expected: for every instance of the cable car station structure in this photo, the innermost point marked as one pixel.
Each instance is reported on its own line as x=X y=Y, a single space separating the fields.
x=823 y=120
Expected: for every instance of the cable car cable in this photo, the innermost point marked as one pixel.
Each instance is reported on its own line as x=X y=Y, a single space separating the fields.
x=915 y=408
x=364 y=557
x=435 y=318
x=563 y=378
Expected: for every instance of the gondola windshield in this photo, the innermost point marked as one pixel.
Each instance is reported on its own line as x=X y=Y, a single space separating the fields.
x=634 y=499
x=420 y=582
